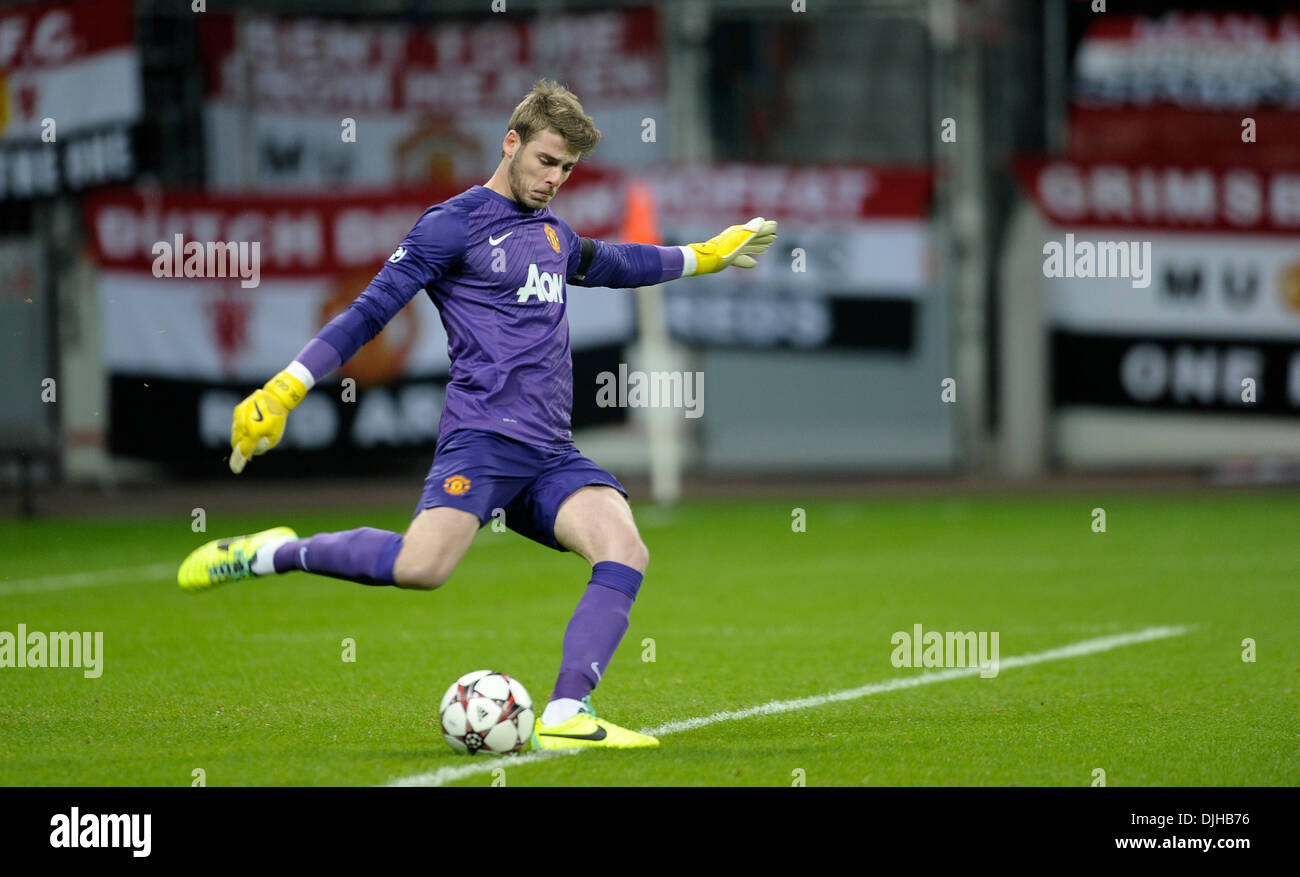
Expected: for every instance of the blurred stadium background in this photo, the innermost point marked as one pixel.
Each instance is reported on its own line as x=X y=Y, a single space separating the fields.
x=917 y=154
x=903 y=337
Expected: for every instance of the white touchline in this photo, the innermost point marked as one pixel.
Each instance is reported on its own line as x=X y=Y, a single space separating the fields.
x=100 y=577
x=445 y=775
x=87 y=579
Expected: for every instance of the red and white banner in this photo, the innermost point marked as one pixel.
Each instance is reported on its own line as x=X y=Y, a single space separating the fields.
x=847 y=233
x=69 y=93
x=1191 y=60
x=315 y=256
x=428 y=102
x=863 y=230
x=882 y=214
x=1205 y=84
x=812 y=194
x=1164 y=195
x=75 y=63
x=193 y=346
x=849 y=267
x=1223 y=254
x=303 y=235
x=309 y=66
x=1208 y=295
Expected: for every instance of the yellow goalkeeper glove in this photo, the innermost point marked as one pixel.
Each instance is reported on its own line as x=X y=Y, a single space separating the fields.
x=735 y=245
x=259 y=420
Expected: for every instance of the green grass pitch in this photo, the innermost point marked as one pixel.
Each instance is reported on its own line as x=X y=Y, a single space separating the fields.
x=247 y=682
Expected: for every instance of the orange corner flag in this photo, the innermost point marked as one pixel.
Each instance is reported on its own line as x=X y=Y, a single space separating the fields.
x=640 y=224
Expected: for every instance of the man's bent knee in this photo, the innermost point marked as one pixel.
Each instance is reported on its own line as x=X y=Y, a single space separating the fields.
x=640 y=559
x=421 y=575
x=432 y=548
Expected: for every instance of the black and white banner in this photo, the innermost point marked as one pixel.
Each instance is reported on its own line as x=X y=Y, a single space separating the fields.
x=1177 y=373
x=368 y=428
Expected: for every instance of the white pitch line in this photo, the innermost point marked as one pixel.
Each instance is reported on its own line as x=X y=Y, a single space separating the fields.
x=86 y=579
x=98 y=578
x=445 y=775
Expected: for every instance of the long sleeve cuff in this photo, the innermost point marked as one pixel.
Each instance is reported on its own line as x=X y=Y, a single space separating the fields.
x=673 y=261
x=319 y=358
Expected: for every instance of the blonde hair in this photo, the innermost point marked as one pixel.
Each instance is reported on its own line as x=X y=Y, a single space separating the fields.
x=552 y=106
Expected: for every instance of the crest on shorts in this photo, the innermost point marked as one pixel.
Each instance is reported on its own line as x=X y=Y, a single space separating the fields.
x=456 y=485
x=555 y=241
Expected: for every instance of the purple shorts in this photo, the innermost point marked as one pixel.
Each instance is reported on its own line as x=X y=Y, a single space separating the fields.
x=479 y=472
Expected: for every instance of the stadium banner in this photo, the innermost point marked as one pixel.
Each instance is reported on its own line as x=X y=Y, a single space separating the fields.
x=275 y=268
x=70 y=92
x=1171 y=287
x=850 y=267
x=367 y=103
x=1140 y=83
x=196 y=345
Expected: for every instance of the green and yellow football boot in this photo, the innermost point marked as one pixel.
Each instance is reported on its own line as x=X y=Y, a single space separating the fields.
x=586 y=729
x=225 y=560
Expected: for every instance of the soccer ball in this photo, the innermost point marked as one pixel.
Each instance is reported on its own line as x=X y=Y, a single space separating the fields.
x=486 y=711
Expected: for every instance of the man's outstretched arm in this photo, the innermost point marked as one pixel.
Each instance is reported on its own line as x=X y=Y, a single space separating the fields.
x=436 y=241
x=599 y=263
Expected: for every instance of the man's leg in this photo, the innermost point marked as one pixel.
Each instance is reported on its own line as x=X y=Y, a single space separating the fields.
x=423 y=559
x=433 y=547
x=468 y=479
x=596 y=523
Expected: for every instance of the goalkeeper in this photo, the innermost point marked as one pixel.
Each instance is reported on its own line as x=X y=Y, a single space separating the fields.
x=495 y=260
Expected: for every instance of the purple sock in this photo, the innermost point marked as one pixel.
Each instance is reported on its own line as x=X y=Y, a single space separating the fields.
x=364 y=555
x=596 y=629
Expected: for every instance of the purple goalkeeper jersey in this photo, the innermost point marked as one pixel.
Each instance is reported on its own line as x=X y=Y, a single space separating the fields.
x=498 y=273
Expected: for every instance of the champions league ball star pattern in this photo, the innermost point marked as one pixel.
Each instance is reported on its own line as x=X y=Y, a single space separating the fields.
x=486 y=711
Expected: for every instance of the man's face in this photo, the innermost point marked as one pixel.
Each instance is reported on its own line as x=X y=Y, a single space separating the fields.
x=539 y=168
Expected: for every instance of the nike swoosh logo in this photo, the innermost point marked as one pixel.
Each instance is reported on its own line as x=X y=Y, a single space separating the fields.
x=260 y=416
x=302 y=558
x=595 y=669
x=598 y=734
x=494 y=241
